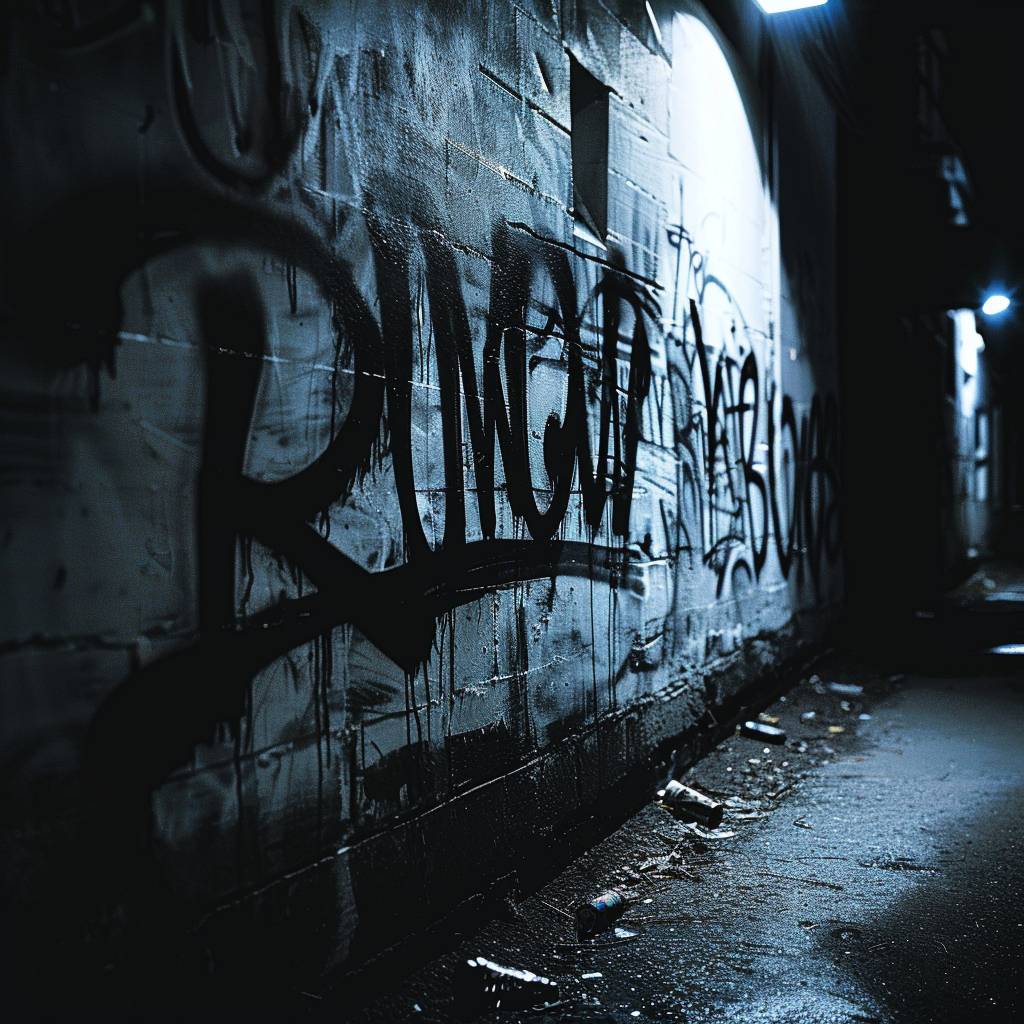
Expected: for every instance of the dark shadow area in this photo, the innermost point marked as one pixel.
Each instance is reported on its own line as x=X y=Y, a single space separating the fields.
x=950 y=949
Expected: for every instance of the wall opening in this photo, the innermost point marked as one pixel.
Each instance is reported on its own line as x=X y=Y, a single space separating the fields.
x=588 y=100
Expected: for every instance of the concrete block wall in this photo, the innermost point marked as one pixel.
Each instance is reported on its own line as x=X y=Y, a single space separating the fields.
x=370 y=510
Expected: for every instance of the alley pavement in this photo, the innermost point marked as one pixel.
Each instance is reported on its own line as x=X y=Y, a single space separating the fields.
x=869 y=869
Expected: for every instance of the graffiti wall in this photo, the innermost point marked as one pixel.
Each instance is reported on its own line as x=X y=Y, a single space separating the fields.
x=410 y=410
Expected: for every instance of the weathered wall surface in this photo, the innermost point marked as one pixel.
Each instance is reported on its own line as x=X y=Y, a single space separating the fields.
x=411 y=413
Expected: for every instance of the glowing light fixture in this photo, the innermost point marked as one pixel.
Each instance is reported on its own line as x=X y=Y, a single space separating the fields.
x=1017 y=649
x=781 y=6
x=995 y=304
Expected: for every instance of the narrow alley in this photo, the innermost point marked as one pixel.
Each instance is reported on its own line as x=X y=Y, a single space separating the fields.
x=511 y=511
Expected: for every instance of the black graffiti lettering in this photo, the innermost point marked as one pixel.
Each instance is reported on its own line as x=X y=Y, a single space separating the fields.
x=595 y=442
x=803 y=519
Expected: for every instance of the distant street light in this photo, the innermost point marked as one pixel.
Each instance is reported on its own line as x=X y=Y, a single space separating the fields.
x=781 y=6
x=995 y=304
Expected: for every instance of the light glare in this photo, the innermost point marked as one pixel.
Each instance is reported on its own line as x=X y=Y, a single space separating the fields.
x=781 y=6
x=995 y=304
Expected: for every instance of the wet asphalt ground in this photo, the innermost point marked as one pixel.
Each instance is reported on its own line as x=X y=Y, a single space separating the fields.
x=868 y=870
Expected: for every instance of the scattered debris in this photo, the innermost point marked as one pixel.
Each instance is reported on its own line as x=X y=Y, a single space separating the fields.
x=835 y=730
x=600 y=913
x=864 y=717
x=591 y=975
x=482 y=985
x=802 y=823
x=846 y=689
x=704 y=833
x=691 y=805
x=768 y=719
x=808 y=716
x=737 y=803
x=762 y=732
x=785 y=789
x=845 y=705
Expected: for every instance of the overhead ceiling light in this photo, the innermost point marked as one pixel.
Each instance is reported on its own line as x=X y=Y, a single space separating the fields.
x=781 y=6
x=995 y=304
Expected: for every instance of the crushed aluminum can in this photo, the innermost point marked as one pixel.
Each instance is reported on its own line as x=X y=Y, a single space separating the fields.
x=691 y=805
x=482 y=985
x=763 y=732
x=600 y=913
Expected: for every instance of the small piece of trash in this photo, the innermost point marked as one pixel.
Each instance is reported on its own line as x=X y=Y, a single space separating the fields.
x=768 y=719
x=846 y=689
x=845 y=705
x=864 y=717
x=482 y=985
x=704 y=833
x=897 y=678
x=808 y=716
x=761 y=731
x=922 y=614
x=590 y=975
x=809 y=926
x=600 y=913
x=801 y=823
x=737 y=803
x=691 y=804
x=835 y=730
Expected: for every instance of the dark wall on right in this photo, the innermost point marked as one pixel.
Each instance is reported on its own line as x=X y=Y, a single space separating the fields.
x=924 y=446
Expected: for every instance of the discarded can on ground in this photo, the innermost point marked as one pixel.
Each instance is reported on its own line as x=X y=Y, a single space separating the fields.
x=846 y=689
x=600 y=914
x=760 y=731
x=690 y=804
x=482 y=985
